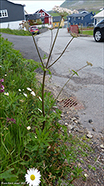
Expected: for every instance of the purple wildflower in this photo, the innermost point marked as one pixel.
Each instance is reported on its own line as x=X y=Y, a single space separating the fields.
x=2 y=90
x=1 y=80
x=1 y=86
x=12 y=120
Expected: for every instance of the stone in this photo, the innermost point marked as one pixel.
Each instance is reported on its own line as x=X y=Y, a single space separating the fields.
x=102 y=146
x=66 y=124
x=93 y=129
x=86 y=175
x=62 y=115
x=89 y=135
x=76 y=116
x=76 y=121
x=81 y=131
x=70 y=127
x=73 y=119
x=76 y=129
x=90 y=121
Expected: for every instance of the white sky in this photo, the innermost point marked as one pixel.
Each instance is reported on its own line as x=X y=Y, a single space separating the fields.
x=34 y=5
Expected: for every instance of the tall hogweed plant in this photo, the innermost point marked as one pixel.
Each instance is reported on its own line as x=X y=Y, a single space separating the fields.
x=31 y=137
x=46 y=67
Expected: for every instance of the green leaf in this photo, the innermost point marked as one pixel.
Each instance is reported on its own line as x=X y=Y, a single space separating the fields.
x=44 y=56
x=75 y=72
x=7 y=174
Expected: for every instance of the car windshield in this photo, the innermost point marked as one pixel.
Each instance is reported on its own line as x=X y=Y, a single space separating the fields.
x=34 y=28
x=102 y=21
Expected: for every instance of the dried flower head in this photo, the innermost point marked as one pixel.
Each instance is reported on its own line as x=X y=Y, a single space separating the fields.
x=88 y=63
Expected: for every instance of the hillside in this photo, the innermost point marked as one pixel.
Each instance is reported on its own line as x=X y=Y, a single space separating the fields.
x=89 y=5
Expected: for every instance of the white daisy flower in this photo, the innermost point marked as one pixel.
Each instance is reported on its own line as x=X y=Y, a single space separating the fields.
x=33 y=93
x=6 y=93
x=29 y=89
x=25 y=94
x=28 y=128
x=33 y=177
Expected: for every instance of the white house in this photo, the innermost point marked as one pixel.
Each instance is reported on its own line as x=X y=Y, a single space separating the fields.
x=11 y=14
x=98 y=17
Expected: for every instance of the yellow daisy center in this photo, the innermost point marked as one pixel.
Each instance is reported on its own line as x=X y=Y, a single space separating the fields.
x=32 y=177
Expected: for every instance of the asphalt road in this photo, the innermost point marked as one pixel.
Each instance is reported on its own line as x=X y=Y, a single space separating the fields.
x=25 y=45
x=88 y=87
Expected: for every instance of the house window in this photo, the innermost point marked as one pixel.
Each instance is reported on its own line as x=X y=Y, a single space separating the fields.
x=40 y=14
x=74 y=18
x=43 y=14
x=82 y=18
x=3 y=13
x=78 y=17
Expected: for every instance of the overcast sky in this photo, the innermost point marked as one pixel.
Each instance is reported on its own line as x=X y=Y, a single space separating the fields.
x=34 y=5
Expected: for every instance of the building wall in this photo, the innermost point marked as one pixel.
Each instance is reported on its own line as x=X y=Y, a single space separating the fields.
x=47 y=18
x=12 y=25
x=11 y=14
x=56 y=24
x=85 y=20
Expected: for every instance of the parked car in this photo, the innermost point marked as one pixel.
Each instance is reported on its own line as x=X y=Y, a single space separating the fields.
x=98 y=31
x=34 y=30
x=90 y=24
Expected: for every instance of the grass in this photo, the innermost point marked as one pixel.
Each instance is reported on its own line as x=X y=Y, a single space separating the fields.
x=88 y=32
x=24 y=144
x=15 y=32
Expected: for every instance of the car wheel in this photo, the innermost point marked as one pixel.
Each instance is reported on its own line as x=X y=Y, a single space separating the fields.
x=98 y=35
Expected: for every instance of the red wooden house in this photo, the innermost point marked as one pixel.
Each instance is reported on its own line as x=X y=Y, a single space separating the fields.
x=44 y=16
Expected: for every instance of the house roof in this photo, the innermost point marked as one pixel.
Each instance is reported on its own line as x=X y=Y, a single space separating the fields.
x=43 y=11
x=56 y=18
x=79 y=15
x=100 y=14
x=32 y=16
x=15 y=3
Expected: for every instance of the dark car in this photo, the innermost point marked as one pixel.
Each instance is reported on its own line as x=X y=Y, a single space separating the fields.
x=90 y=24
x=98 y=31
x=34 y=30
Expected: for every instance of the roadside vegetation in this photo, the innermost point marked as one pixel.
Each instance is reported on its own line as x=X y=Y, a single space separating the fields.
x=24 y=141
x=15 y=32
x=31 y=136
x=87 y=32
